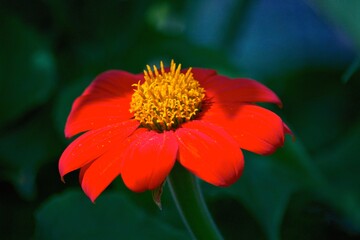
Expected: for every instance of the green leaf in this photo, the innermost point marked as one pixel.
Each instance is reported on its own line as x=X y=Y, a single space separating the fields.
x=27 y=69
x=341 y=165
x=24 y=150
x=71 y=215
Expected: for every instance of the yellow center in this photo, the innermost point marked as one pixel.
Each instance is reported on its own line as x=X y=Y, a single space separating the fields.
x=166 y=98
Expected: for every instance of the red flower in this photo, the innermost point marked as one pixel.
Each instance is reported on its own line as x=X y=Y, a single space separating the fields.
x=137 y=126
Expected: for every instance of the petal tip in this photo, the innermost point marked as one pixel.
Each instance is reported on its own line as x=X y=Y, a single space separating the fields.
x=92 y=199
x=68 y=135
x=287 y=130
x=90 y=194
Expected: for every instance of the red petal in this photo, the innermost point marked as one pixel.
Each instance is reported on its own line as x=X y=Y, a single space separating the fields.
x=104 y=102
x=112 y=83
x=209 y=152
x=93 y=144
x=287 y=130
x=148 y=160
x=254 y=128
x=202 y=74
x=83 y=170
x=90 y=113
x=223 y=90
x=98 y=175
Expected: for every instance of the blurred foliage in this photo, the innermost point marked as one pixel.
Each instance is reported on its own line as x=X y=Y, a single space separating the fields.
x=344 y=14
x=50 y=50
x=29 y=73
x=58 y=218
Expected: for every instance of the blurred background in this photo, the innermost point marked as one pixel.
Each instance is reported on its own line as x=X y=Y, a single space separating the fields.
x=307 y=51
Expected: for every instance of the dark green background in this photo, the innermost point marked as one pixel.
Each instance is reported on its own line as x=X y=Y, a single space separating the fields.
x=306 y=51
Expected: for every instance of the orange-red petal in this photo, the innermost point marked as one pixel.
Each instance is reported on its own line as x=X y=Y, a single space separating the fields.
x=148 y=160
x=202 y=74
x=112 y=83
x=209 y=152
x=105 y=101
x=92 y=113
x=93 y=144
x=254 y=128
x=222 y=89
x=100 y=173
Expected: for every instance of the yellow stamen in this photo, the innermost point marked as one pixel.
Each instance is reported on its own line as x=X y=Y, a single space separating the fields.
x=166 y=99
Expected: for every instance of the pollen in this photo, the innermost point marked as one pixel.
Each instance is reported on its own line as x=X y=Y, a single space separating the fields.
x=166 y=98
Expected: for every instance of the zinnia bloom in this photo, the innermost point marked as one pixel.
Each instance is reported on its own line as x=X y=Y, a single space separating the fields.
x=139 y=125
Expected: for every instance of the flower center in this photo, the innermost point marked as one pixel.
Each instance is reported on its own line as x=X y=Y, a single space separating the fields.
x=166 y=98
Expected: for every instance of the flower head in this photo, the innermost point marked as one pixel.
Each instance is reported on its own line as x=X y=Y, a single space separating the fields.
x=167 y=99
x=138 y=125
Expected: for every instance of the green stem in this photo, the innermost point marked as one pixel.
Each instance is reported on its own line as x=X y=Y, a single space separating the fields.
x=188 y=198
